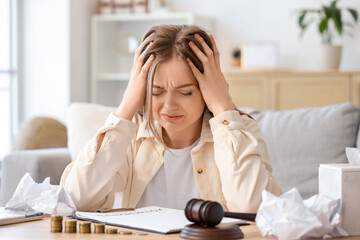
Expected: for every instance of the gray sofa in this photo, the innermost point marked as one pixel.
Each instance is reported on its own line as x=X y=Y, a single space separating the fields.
x=298 y=141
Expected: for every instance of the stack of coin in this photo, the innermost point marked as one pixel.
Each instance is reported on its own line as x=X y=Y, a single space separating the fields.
x=99 y=228
x=56 y=223
x=70 y=226
x=85 y=227
x=111 y=231
x=125 y=232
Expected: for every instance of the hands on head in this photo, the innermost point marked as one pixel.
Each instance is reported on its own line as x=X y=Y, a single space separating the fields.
x=203 y=61
x=212 y=83
x=134 y=95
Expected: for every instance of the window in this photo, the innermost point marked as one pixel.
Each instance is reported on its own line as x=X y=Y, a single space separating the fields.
x=8 y=74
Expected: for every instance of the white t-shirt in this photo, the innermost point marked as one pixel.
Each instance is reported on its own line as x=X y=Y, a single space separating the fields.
x=174 y=184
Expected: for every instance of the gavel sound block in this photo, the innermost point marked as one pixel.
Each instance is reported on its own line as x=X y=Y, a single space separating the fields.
x=206 y=215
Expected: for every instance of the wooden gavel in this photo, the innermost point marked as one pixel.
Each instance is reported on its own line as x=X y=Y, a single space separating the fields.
x=211 y=213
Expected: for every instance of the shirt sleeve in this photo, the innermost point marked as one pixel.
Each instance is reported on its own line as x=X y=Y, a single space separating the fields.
x=243 y=161
x=90 y=179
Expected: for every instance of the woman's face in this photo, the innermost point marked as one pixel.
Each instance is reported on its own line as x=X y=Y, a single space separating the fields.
x=177 y=103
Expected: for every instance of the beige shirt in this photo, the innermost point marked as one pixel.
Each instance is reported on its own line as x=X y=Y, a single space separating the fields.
x=230 y=162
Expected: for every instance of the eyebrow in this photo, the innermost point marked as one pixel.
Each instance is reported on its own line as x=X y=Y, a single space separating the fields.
x=181 y=86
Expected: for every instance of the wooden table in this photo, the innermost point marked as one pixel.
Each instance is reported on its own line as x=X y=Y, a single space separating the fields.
x=40 y=229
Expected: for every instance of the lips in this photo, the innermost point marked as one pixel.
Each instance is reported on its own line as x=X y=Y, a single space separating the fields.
x=171 y=118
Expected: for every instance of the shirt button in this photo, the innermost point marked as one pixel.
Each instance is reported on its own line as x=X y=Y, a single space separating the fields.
x=199 y=170
x=225 y=122
x=111 y=124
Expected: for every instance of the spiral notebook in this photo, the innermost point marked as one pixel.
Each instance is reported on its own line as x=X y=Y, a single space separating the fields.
x=152 y=219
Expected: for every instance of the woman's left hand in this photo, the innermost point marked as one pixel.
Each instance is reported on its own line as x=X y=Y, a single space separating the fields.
x=213 y=86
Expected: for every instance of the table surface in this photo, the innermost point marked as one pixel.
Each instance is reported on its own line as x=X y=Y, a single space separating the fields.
x=40 y=229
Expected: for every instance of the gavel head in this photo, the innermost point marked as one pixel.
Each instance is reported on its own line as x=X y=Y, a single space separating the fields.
x=204 y=212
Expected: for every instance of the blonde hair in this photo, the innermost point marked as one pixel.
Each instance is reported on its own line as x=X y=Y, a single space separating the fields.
x=169 y=41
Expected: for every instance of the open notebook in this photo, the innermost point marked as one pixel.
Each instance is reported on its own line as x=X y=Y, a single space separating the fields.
x=9 y=216
x=153 y=219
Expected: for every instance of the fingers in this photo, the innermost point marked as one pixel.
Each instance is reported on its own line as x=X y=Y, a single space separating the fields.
x=209 y=53
x=200 y=55
x=198 y=75
x=207 y=56
x=140 y=60
x=216 y=52
x=146 y=67
x=140 y=48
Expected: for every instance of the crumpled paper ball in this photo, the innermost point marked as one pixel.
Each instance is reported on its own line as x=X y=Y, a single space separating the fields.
x=41 y=197
x=290 y=217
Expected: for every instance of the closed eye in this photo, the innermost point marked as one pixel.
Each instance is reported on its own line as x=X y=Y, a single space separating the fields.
x=186 y=93
x=156 y=93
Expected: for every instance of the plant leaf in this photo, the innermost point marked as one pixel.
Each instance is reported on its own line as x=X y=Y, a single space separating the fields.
x=333 y=3
x=301 y=19
x=328 y=12
x=353 y=13
x=323 y=25
x=336 y=17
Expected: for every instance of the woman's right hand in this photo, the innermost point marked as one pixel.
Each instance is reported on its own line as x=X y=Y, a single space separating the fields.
x=134 y=95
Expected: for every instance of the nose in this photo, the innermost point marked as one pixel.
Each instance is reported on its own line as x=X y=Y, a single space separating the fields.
x=170 y=101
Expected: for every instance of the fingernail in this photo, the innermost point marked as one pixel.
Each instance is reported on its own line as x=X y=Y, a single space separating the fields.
x=191 y=43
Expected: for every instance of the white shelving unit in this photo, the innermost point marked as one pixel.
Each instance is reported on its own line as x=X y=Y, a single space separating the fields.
x=113 y=41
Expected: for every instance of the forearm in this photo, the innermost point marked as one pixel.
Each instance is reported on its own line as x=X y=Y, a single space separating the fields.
x=242 y=160
x=90 y=179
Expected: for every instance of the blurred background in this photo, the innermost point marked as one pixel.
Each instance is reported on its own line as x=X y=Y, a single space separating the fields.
x=55 y=52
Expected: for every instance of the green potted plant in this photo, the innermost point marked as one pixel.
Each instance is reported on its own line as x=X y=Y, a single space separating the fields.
x=330 y=24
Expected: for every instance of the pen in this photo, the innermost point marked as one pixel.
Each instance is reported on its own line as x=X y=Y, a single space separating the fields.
x=115 y=210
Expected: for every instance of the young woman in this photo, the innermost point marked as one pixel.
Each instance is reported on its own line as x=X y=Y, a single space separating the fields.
x=175 y=136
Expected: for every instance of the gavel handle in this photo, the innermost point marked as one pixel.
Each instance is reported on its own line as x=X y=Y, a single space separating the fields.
x=244 y=216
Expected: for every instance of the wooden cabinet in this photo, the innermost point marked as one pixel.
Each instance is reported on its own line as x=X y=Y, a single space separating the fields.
x=280 y=90
x=355 y=88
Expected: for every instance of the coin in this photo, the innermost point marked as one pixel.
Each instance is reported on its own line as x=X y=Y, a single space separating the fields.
x=125 y=232
x=56 y=224
x=141 y=233
x=85 y=230
x=111 y=231
x=99 y=228
x=56 y=218
x=70 y=230
x=70 y=223
x=56 y=229
x=85 y=227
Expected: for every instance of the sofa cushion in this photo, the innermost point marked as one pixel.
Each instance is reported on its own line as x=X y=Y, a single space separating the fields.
x=299 y=140
x=83 y=120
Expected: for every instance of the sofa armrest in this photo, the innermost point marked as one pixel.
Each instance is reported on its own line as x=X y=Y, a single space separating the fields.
x=40 y=163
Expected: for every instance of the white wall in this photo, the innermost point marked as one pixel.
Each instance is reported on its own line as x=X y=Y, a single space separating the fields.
x=54 y=55
x=45 y=67
x=80 y=23
x=55 y=43
x=239 y=21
